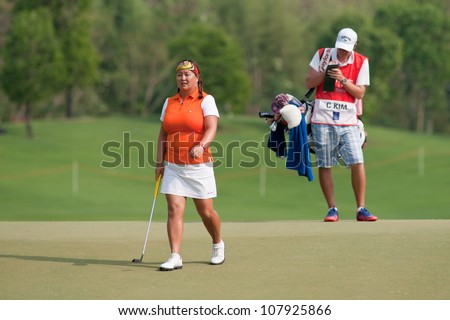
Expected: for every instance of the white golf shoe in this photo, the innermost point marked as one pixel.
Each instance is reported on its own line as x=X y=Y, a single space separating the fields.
x=174 y=262
x=218 y=253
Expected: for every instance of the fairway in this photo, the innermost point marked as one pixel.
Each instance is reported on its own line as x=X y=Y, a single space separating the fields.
x=393 y=259
x=58 y=175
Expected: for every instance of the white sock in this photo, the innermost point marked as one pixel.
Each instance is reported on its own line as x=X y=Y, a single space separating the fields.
x=360 y=208
x=218 y=245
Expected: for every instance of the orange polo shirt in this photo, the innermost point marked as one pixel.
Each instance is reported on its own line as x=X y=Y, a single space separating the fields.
x=184 y=124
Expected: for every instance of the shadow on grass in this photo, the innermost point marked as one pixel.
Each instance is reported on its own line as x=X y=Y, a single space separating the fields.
x=85 y=262
x=81 y=262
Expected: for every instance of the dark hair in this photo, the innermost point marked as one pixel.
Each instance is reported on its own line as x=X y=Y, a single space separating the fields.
x=200 y=81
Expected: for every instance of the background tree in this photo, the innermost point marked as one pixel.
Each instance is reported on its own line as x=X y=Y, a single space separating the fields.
x=270 y=34
x=133 y=55
x=73 y=32
x=407 y=43
x=80 y=57
x=221 y=64
x=425 y=75
x=385 y=52
x=33 y=64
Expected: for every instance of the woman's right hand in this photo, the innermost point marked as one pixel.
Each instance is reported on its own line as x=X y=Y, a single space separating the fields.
x=159 y=170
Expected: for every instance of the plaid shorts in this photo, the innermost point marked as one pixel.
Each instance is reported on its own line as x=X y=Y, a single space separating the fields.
x=333 y=142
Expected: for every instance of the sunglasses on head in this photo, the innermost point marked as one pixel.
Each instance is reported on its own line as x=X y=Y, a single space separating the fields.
x=188 y=65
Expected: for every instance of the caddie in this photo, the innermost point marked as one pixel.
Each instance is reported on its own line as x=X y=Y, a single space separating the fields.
x=340 y=76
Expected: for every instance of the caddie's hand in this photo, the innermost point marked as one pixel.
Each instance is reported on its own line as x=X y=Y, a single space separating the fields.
x=335 y=74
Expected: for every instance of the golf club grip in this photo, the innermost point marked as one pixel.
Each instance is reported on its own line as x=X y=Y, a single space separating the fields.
x=157 y=185
x=262 y=114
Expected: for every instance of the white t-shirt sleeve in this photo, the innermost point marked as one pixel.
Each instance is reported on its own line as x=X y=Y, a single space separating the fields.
x=315 y=62
x=209 y=106
x=163 y=112
x=364 y=75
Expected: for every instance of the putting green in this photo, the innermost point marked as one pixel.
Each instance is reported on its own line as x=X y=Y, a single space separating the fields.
x=266 y=260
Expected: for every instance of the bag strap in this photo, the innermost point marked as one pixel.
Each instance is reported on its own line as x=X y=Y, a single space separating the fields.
x=309 y=93
x=324 y=58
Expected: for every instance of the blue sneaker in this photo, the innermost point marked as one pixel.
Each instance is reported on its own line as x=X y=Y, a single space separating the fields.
x=364 y=215
x=332 y=215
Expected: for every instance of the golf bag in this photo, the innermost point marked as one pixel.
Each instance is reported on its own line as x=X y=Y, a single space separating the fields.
x=306 y=106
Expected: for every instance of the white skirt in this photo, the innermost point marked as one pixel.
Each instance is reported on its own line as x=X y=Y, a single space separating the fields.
x=193 y=181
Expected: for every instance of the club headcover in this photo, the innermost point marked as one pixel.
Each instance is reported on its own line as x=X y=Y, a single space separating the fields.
x=291 y=114
x=279 y=102
x=362 y=133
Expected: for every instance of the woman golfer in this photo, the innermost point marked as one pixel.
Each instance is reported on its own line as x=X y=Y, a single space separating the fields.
x=189 y=124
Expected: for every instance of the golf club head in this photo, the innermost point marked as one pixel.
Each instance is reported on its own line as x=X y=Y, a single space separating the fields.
x=137 y=260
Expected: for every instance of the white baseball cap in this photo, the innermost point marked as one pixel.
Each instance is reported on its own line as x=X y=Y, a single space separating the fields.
x=346 y=39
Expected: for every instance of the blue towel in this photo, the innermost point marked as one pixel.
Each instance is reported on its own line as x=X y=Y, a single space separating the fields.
x=298 y=157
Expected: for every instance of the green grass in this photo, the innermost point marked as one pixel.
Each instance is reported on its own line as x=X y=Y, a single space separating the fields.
x=36 y=175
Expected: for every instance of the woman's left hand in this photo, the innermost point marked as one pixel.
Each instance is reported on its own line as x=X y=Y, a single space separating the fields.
x=197 y=151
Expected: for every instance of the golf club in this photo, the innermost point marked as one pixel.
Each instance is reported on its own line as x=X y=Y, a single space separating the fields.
x=158 y=181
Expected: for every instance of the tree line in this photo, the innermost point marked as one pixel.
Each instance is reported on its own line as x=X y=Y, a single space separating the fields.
x=98 y=57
